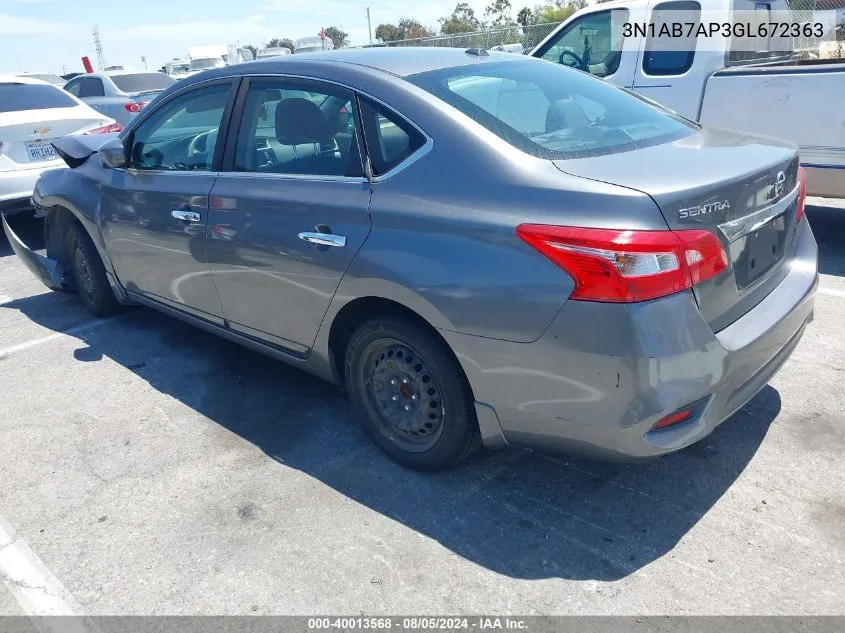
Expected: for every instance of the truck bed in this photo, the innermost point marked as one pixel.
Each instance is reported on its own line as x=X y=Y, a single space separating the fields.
x=801 y=102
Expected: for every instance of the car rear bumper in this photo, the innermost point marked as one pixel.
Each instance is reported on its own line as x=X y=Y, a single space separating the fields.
x=603 y=374
x=16 y=187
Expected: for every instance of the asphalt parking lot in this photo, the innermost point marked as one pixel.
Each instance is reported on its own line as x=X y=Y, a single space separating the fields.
x=147 y=467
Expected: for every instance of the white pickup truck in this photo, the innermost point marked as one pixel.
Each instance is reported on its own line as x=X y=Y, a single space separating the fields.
x=764 y=91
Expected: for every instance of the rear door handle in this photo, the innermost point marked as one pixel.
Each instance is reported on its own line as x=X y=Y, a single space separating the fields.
x=324 y=239
x=185 y=216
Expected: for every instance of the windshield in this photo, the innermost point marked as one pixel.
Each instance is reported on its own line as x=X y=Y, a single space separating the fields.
x=16 y=97
x=179 y=68
x=204 y=63
x=142 y=82
x=550 y=111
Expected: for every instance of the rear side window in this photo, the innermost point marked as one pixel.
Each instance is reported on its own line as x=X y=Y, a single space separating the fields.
x=390 y=138
x=553 y=112
x=672 y=56
x=16 y=97
x=92 y=87
x=142 y=82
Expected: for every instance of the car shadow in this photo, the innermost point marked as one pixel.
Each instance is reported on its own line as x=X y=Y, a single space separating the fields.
x=828 y=224
x=518 y=513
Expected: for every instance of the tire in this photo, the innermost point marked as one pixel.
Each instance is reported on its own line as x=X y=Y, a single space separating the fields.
x=88 y=275
x=410 y=394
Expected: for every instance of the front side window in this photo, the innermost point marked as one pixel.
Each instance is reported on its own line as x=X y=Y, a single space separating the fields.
x=17 y=97
x=550 y=112
x=297 y=129
x=390 y=139
x=182 y=134
x=592 y=43
x=665 y=55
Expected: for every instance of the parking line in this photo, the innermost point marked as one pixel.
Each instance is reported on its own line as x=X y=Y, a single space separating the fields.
x=35 y=588
x=832 y=292
x=72 y=332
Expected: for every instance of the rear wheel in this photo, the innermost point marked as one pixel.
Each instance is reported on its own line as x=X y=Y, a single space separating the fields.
x=411 y=394
x=88 y=273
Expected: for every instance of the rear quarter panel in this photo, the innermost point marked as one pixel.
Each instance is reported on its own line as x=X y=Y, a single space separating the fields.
x=443 y=239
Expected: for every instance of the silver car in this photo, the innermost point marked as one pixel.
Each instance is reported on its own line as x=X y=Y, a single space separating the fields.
x=119 y=94
x=482 y=248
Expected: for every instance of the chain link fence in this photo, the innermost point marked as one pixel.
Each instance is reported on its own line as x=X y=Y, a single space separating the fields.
x=516 y=39
x=831 y=13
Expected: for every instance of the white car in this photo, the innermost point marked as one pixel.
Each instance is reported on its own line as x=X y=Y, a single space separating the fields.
x=32 y=114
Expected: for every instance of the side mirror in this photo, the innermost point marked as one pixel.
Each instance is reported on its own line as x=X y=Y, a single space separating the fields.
x=114 y=154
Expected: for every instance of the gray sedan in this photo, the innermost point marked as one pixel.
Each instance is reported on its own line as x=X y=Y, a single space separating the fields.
x=482 y=248
x=119 y=94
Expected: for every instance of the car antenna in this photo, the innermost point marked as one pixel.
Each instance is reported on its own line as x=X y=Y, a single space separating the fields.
x=477 y=52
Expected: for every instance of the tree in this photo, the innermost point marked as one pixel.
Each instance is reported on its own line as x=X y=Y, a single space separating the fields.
x=388 y=33
x=412 y=30
x=462 y=20
x=288 y=43
x=280 y=43
x=253 y=50
x=338 y=36
x=556 y=11
x=498 y=12
x=524 y=17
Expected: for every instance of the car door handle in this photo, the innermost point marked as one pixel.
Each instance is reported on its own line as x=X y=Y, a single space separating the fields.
x=185 y=216
x=324 y=239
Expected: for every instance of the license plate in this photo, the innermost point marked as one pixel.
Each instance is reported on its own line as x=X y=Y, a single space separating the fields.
x=763 y=249
x=40 y=150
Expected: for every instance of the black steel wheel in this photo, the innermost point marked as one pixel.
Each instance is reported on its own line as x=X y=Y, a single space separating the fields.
x=411 y=394
x=88 y=273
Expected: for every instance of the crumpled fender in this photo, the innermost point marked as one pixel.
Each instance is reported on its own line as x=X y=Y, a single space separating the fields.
x=51 y=272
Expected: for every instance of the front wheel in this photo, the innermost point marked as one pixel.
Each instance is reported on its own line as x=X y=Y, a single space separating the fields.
x=411 y=394
x=88 y=273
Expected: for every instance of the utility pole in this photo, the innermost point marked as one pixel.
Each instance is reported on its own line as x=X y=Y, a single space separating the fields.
x=369 y=26
x=101 y=58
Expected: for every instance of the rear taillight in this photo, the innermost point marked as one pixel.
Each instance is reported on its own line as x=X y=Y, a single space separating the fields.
x=626 y=266
x=802 y=194
x=106 y=129
x=672 y=420
x=134 y=106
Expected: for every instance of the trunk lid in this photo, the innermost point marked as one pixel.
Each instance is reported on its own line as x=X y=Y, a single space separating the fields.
x=27 y=136
x=144 y=95
x=742 y=188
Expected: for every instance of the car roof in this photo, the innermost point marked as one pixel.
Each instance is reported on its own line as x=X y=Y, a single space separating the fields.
x=22 y=79
x=400 y=61
x=29 y=73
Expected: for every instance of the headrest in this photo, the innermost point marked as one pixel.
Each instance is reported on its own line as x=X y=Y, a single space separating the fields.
x=299 y=121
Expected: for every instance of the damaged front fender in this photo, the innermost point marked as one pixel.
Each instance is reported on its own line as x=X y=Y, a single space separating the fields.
x=51 y=272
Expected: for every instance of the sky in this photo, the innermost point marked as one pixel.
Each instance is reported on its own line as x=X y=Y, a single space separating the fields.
x=53 y=35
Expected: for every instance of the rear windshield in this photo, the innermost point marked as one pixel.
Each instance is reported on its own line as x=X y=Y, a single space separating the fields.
x=18 y=97
x=141 y=82
x=550 y=111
